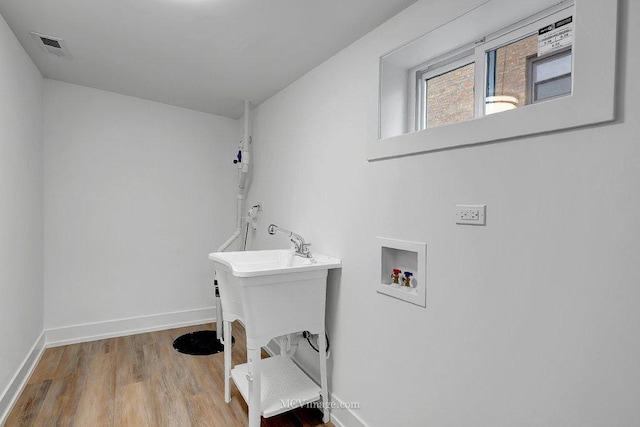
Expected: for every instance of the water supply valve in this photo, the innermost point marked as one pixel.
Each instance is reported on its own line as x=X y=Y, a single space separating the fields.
x=238 y=157
x=252 y=216
x=396 y=275
x=406 y=280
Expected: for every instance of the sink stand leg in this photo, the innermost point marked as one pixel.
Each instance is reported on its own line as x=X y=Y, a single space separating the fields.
x=253 y=375
x=322 y=346
x=227 y=360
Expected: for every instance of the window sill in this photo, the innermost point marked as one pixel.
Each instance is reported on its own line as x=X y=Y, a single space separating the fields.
x=564 y=113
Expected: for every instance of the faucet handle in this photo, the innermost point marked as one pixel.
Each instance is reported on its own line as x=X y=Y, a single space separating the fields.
x=305 y=249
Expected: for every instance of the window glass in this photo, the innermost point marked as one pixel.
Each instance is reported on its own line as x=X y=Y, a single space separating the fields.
x=507 y=74
x=552 y=88
x=526 y=63
x=553 y=67
x=450 y=97
x=551 y=76
x=516 y=76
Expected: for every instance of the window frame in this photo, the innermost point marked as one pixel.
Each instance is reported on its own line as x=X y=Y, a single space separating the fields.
x=441 y=64
x=592 y=102
x=435 y=70
x=477 y=53
x=518 y=32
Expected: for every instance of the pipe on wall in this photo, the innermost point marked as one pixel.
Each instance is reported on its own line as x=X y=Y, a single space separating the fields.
x=243 y=172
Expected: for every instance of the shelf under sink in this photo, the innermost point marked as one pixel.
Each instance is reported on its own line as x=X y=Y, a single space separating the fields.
x=284 y=386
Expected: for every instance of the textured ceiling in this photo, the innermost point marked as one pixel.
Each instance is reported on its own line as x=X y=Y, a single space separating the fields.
x=206 y=55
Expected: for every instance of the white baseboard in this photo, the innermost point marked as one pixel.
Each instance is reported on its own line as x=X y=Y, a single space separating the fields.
x=341 y=415
x=122 y=327
x=10 y=395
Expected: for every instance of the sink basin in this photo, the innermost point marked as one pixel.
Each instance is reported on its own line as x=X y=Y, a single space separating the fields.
x=271 y=262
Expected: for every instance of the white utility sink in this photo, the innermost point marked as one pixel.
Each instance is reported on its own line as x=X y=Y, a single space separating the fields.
x=270 y=262
x=274 y=293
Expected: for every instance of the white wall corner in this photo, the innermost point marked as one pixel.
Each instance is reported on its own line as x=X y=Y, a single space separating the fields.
x=11 y=393
x=122 y=327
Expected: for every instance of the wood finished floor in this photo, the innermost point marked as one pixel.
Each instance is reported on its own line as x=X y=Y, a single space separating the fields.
x=139 y=380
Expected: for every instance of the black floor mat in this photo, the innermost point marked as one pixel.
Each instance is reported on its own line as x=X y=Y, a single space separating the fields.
x=199 y=343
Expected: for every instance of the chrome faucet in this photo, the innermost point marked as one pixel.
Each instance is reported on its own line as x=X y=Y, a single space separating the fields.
x=302 y=248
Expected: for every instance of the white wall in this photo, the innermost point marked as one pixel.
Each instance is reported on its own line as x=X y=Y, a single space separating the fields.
x=21 y=217
x=531 y=320
x=137 y=194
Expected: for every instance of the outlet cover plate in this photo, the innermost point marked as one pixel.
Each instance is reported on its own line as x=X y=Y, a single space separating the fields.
x=471 y=214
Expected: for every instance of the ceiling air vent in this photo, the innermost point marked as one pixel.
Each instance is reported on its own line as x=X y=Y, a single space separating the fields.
x=53 y=45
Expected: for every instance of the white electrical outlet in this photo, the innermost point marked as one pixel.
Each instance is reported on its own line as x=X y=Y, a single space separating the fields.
x=471 y=214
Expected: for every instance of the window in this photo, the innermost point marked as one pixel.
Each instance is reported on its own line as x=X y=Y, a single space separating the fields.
x=508 y=76
x=550 y=76
x=513 y=68
x=446 y=95
x=547 y=85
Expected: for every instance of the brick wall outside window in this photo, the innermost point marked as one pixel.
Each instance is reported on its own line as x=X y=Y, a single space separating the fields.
x=450 y=96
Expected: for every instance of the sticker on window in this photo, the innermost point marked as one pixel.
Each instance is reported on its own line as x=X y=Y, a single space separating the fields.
x=556 y=36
